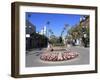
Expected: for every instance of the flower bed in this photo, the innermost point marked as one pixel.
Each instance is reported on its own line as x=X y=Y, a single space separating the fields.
x=58 y=56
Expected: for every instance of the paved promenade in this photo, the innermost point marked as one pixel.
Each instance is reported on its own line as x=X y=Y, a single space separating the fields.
x=33 y=57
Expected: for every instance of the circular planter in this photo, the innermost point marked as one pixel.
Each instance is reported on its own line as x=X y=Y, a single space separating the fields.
x=58 y=55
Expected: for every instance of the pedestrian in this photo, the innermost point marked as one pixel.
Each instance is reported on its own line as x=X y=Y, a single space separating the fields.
x=73 y=42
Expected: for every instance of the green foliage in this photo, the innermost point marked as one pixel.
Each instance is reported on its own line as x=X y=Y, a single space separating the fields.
x=56 y=41
x=76 y=32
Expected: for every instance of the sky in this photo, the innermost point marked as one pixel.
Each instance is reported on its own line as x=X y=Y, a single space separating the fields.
x=56 y=21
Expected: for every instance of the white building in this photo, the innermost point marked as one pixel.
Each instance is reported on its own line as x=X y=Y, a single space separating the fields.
x=44 y=31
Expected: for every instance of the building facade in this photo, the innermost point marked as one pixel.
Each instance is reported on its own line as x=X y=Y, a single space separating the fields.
x=33 y=39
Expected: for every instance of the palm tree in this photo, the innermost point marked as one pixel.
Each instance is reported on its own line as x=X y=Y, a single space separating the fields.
x=51 y=32
x=48 y=24
x=65 y=28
